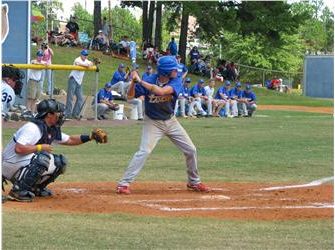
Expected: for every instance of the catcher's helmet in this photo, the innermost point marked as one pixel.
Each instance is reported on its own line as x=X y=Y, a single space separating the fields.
x=166 y=64
x=50 y=106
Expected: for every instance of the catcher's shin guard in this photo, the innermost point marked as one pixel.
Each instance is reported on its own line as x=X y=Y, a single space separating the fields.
x=60 y=163
x=29 y=176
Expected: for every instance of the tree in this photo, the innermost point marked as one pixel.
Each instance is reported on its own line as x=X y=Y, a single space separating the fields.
x=150 y=20
x=145 y=21
x=97 y=17
x=84 y=19
x=183 y=33
x=158 y=29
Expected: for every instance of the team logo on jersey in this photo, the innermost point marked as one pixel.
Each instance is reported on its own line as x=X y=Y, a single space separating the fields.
x=159 y=99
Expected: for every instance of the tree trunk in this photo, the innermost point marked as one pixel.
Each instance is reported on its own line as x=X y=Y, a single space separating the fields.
x=158 y=30
x=183 y=34
x=151 y=20
x=97 y=17
x=145 y=21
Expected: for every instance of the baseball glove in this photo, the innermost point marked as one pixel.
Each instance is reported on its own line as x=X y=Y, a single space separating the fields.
x=99 y=135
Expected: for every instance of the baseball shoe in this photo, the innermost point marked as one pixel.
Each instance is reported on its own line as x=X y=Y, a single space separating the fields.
x=43 y=192
x=122 y=190
x=198 y=187
x=23 y=196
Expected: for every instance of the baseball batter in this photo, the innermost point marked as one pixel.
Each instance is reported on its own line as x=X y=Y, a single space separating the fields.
x=27 y=160
x=161 y=92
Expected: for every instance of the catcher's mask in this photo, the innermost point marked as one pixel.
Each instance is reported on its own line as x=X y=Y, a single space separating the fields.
x=11 y=72
x=51 y=106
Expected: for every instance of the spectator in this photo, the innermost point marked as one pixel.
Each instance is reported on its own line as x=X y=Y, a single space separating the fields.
x=148 y=72
x=194 y=55
x=124 y=46
x=182 y=69
x=172 y=47
x=120 y=81
x=73 y=27
x=222 y=98
x=182 y=102
x=34 y=79
x=75 y=86
x=235 y=95
x=106 y=27
x=197 y=94
x=232 y=72
x=105 y=102
x=102 y=41
x=47 y=73
x=249 y=106
x=275 y=83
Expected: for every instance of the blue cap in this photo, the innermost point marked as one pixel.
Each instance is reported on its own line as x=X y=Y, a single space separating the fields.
x=84 y=52
x=108 y=85
x=248 y=87
x=166 y=64
x=227 y=83
x=238 y=85
x=201 y=81
x=121 y=65
x=40 y=53
x=188 y=79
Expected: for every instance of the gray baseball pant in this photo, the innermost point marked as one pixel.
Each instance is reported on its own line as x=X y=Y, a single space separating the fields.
x=153 y=131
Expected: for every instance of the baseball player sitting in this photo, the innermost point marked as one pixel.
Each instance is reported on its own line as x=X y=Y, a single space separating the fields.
x=183 y=99
x=210 y=102
x=161 y=92
x=222 y=98
x=11 y=86
x=249 y=101
x=198 y=96
x=27 y=160
x=105 y=102
x=120 y=81
x=235 y=96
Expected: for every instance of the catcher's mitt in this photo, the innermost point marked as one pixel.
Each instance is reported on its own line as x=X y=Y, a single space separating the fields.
x=99 y=135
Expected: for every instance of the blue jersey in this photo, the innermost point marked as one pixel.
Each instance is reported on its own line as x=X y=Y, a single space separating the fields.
x=145 y=76
x=181 y=69
x=103 y=94
x=234 y=93
x=197 y=90
x=194 y=55
x=118 y=76
x=160 y=107
x=222 y=90
x=185 y=91
x=250 y=96
x=173 y=48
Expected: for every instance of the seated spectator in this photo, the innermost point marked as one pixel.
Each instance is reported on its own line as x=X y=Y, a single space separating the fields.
x=148 y=72
x=232 y=72
x=124 y=46
x=194 y=55
x=222 y=100
x=156 y=55
x=198 y=96
x=182 y=103
x=249 y=105
x=275 y=83
x=120 y=81
x=73 y=28
x=105 y=102
x=101 y=41
x=235 y=95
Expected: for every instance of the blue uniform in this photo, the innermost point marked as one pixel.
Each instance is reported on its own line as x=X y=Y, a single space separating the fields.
x=235 y=94
x=196 y=89
x=160 y=107
x=103 y=94
x=118 y=76
x=182 y=69
x=185 y=91
x=222 y=90
x=173 y=48
x=145 y=76
x=249 y=95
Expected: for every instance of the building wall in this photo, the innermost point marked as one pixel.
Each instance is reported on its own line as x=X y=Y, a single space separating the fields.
x=319 y=76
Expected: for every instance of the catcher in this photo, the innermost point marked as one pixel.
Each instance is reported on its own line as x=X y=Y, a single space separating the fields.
x=28 y=161
x=105 y=102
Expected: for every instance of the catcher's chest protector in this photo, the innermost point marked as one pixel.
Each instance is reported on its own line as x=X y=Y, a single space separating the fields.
x=48 y=133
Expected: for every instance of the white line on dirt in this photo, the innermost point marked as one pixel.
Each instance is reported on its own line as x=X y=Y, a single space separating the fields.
x=75 y=190
x=311 y=184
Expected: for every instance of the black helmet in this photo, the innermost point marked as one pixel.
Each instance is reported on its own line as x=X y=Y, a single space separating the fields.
x=50 y=106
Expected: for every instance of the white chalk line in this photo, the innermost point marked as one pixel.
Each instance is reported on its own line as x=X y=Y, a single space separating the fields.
x=311 y=184
x=75 y=190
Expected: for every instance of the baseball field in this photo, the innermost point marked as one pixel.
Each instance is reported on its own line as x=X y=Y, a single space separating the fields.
x=271 y=177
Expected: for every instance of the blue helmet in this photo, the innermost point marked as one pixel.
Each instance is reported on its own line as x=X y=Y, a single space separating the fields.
x=166 y=64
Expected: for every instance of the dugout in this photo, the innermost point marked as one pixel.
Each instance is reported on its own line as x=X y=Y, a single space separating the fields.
x=318 y=80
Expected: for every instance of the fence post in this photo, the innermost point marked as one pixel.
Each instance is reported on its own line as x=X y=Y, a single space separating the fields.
x=95 y=97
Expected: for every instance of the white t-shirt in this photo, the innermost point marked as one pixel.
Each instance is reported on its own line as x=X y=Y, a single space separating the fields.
x=36 y=74
x=28 y=134
x=209 y=91
x=7 y=97
x=79 y=75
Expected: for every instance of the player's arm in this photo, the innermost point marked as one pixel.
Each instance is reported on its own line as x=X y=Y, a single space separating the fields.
x=165 y=90
x=29 y=149
x=76 y=140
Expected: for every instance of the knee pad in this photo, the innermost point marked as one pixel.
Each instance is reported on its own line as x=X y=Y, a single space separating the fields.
x=60 y=163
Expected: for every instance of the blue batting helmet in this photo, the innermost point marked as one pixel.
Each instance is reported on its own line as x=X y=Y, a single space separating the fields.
x=166 y=64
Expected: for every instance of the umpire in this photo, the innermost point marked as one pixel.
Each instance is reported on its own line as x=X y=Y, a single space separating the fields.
x=27 y=160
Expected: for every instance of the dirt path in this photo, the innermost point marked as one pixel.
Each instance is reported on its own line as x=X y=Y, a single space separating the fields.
x=226 y=201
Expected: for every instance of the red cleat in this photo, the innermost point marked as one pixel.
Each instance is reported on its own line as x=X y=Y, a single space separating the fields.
x=198 y=187
x=122 y=190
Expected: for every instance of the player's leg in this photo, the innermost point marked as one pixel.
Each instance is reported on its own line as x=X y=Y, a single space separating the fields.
x=79 y=102
x=176 y=107
x=182 y=103
x=71 y=87
x=152 y=132
x=101 y=109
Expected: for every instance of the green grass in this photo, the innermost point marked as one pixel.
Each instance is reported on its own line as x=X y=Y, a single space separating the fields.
x=116 y=231
x=109 y=64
